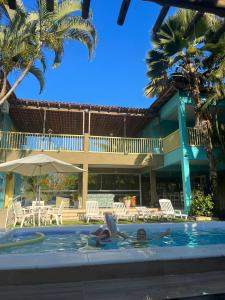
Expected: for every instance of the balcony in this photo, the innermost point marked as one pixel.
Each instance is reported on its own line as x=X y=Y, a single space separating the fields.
x=172 y=141
x=95 y=144
x=78 y=143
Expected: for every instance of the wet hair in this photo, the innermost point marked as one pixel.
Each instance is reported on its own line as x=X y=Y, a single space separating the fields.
x=141 y=234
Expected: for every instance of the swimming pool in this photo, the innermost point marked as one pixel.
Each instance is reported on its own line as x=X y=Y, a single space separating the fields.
x=71 y=239
x=62 y=257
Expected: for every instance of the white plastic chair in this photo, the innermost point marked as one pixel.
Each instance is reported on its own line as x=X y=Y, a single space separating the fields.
x=22 y=214
x=56 y=213
x=168 y=211
x=92 y=211
x=37 y=203
x=121 y=212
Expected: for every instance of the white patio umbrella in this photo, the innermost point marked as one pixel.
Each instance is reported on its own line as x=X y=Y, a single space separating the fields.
x=37 y=165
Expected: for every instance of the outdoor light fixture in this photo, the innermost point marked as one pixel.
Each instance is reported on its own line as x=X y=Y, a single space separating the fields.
x=123 y=12
x=50 y=5
x=85 y=8
x=12 y=4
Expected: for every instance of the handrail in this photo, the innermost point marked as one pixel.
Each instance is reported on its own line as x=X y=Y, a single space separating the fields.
x=10 y=140
x=105 y=144
x=194 y=137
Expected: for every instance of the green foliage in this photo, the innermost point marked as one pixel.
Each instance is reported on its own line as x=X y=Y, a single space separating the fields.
x=187 y=61
x=25 y=35
x=201 y=205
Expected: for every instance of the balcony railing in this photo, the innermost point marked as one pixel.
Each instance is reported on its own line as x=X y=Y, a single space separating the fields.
x=76 y=143
x=194 y=137
x=37 y=141
x=125 y=145
x=99 y=144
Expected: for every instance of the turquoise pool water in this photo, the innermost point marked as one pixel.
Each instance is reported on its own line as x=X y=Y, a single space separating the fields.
x=74 y=240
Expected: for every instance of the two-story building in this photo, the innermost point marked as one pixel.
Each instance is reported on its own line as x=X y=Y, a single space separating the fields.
x=157 y=149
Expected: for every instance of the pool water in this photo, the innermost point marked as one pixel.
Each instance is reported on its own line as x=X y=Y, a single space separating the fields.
x=73 y=240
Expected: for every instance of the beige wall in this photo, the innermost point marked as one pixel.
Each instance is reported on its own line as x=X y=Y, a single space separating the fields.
x=83 y=158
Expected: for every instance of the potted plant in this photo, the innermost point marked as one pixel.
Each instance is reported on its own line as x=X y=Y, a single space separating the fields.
x=126 y=201
x=202 y=206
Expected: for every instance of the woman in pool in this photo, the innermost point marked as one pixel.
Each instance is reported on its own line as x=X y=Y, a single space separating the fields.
x=101 y=235
x=142 y=235
x=108 y=234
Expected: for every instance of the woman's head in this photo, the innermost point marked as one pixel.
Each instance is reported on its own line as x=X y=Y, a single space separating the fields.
x=99 y=231
x=141 y=235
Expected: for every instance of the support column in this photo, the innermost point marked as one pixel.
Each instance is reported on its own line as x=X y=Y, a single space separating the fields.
x=9 y=190
x=184 y=156
x=83 y=177
x=2 y=189
x=85 y=186
x=153 y=193
x=140 y=190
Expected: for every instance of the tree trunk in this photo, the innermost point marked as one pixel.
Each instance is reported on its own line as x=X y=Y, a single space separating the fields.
x=3 y=83
x=5 y=95
x=204 y=125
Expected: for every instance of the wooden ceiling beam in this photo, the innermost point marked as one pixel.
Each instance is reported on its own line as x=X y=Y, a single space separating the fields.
x=160 y=19
x=194 y=21
x=123 y=12
x=85 y=8
x=30 y=107
x=210 y=6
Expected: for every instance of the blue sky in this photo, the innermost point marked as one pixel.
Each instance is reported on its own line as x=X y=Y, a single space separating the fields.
x=117 y=73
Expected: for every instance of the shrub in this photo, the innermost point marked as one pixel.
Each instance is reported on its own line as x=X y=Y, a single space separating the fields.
x=201 y=205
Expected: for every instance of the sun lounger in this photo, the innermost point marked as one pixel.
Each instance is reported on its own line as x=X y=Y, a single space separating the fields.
x=92 y=211
x=168 y=211
x=121 y=212
x=145 y=213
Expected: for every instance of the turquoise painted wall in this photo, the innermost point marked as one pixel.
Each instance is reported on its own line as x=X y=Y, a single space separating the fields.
x=157 y=128
x=6 y=123
x=2 y=189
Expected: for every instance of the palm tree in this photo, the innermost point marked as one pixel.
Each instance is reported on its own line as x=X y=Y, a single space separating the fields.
x=27 y=35
x=188 y=61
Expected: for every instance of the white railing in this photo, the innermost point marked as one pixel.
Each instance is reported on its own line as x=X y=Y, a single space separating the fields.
x=75 y=143
x=194 y=137
x=125 y=145
x=37 y=141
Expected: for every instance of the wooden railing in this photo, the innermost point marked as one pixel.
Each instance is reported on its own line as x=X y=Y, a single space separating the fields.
x=37 y=141
x=171 y=142
x=194 y=137
x=125 y=145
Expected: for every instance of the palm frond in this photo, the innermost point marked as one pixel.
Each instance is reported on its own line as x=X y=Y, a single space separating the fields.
x=38 y=74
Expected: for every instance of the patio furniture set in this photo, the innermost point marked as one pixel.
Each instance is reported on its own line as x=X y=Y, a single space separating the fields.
x=37 y=214
x=40 y=214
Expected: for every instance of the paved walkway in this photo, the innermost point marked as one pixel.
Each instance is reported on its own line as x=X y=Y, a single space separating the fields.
x=148 y=288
